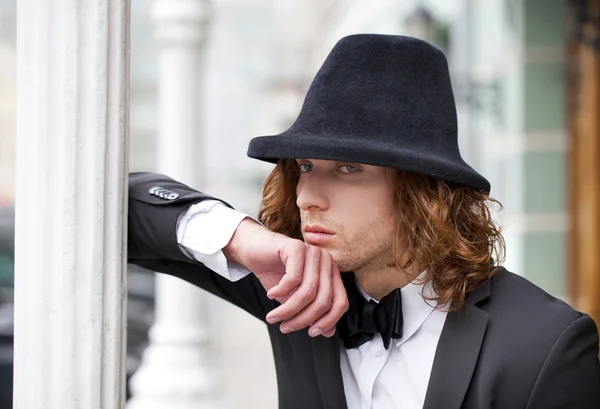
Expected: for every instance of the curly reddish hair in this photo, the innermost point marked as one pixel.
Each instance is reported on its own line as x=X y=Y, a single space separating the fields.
x=448 y=229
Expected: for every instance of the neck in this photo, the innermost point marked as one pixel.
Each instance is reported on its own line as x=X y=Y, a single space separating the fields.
x=380 y=280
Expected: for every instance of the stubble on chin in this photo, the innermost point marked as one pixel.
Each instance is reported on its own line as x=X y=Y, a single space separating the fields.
x=367 y=251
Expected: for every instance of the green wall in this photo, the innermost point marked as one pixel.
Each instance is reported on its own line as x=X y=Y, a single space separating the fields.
x=520 y=45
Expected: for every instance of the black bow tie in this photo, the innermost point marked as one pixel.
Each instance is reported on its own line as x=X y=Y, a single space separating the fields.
x=366 y=318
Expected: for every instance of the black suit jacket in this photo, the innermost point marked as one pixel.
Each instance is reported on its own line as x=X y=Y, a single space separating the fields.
x=512 y=346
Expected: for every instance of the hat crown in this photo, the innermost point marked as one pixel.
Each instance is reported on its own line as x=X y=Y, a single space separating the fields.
x=382 y=100
x=386 y=88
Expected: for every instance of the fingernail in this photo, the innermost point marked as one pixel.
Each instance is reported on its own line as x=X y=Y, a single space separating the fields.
x=313 y=332
x=287 y=330
x=273 y=320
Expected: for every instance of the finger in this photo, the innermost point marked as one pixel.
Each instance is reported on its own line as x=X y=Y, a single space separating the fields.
x=306 y=292
x=293 y=257
x=322 y=302
x=329 y=333
x=339 y=305
x=283 y=299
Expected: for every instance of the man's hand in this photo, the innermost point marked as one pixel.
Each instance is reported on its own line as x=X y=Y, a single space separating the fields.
x=300 y=276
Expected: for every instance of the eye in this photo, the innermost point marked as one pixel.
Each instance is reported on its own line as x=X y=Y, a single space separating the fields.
x=348 y=169
x=305 y=167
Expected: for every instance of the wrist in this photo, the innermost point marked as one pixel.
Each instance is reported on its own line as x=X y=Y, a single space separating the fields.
x=233 y=250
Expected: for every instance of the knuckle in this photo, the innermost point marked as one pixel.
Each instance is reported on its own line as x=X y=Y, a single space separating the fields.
x=310 y=293
x=313 y=289
x=344 y=305
x=300 y=247
x=295 y=248
x=312 y=250
x=294 y=279
x=323 y=306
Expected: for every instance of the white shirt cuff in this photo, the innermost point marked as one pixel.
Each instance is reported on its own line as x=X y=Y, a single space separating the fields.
x=204 y=230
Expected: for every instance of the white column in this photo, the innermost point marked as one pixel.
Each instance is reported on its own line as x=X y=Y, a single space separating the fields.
x=176 y=370
x=71 y=174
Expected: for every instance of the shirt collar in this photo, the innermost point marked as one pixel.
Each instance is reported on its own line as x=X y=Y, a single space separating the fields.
x=415 y=308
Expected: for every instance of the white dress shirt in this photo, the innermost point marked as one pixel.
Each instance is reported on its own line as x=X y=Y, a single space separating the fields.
x=373 y=377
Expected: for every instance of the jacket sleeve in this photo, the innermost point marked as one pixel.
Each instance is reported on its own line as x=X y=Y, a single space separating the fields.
x=570 y=376
x=152 y=241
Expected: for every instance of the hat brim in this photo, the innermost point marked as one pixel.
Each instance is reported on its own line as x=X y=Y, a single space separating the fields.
x=369 y=152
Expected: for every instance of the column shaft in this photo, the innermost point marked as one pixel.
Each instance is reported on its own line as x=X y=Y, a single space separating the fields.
x=71 y=180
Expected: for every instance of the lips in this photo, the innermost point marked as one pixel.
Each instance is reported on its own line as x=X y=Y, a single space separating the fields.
x=317 y=229
x=317 y=235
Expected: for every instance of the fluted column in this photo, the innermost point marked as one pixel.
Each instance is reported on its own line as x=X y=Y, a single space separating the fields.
x=71 y=174
x=176 y=370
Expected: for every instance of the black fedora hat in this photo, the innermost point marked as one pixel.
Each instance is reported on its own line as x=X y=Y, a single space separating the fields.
x=380 y=100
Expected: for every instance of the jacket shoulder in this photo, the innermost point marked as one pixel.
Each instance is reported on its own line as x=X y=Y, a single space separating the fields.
x=516 y=297
x=524 y=321
x=529 y=333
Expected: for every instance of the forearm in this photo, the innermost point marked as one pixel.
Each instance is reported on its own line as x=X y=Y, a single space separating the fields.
x=153 y=242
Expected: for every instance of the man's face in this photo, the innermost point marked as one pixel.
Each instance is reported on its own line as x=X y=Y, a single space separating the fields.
x=347 y=208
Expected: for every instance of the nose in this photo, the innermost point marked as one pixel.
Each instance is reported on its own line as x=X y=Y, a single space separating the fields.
x=310 y=195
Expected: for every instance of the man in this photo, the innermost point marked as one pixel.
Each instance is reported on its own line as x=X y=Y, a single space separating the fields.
x=369 y=181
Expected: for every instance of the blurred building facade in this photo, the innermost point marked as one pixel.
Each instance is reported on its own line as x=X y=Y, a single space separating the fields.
x=526 y=79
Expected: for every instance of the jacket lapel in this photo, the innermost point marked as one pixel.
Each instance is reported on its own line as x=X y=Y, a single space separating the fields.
x=457 y=353
x=326 y=355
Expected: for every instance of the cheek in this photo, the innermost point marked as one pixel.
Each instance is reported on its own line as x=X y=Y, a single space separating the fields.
x=366 y=221
x=374 y=223
x=368 y=209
